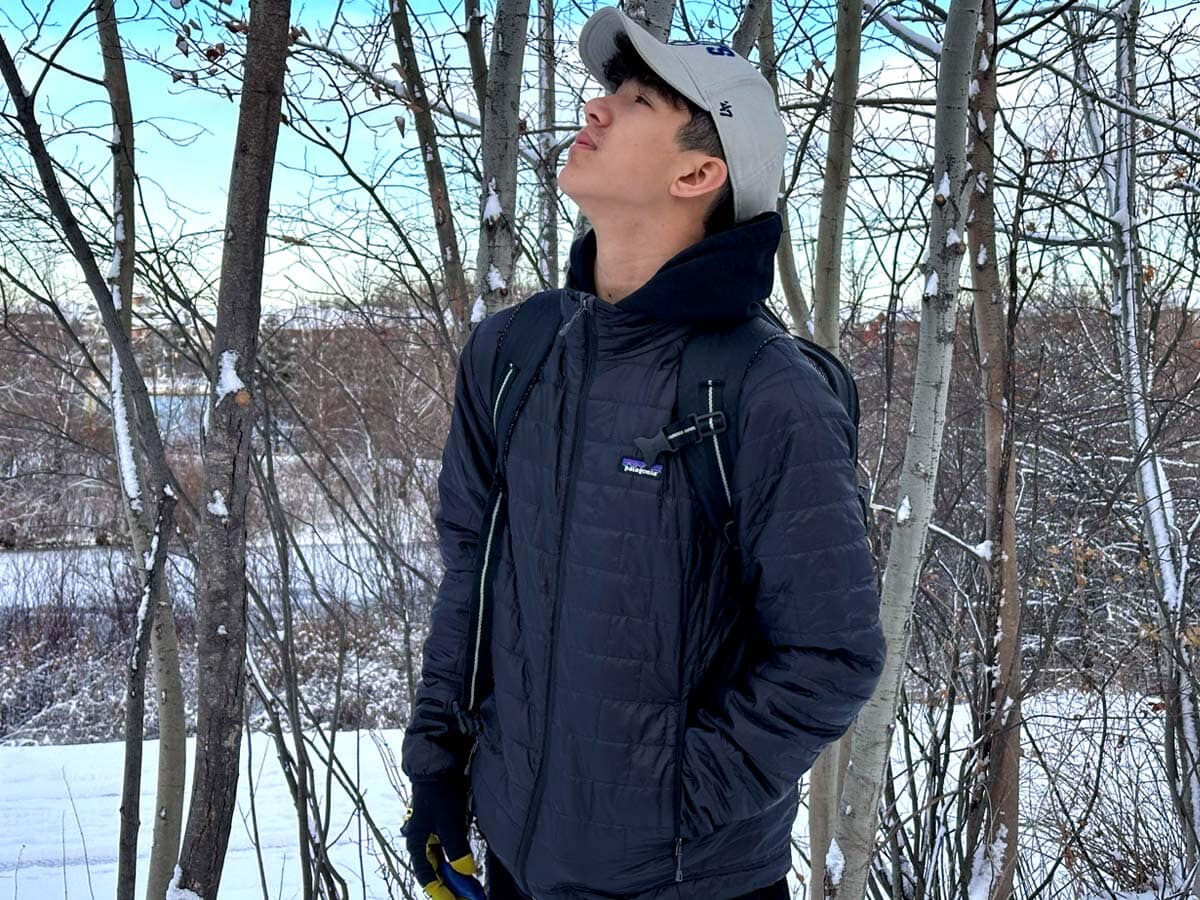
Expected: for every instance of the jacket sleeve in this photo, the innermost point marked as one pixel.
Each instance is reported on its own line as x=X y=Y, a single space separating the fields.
x=809 y=588
x=434 y=746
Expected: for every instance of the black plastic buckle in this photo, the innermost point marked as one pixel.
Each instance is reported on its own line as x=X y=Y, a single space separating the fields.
x=468 y=722
x=674 y=437
x=709 y=424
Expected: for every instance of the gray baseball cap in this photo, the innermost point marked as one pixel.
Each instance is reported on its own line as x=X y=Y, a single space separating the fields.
x=716 y=79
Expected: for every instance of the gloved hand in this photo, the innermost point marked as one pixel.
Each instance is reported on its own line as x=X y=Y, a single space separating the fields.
x=437 y=824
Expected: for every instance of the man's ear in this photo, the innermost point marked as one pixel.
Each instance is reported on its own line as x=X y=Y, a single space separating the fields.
x=702 y=175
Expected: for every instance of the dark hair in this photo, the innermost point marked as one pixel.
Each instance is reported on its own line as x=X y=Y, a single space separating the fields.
x=699 y=133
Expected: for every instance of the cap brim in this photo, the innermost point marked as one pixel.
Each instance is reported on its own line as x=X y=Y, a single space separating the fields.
x=597 y=45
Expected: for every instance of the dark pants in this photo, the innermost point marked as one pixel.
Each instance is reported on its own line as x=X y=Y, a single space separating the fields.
x=500 y=886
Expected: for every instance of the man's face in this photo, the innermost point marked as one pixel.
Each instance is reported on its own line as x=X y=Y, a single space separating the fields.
x=626 y=156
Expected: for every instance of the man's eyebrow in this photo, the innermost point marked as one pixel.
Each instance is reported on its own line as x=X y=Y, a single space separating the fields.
x=652 y=90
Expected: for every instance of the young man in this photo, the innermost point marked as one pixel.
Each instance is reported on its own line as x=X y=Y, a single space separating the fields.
x=658 y=689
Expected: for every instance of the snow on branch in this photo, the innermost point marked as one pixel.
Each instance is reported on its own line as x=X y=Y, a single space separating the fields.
x=982 y=550
x=918 y=42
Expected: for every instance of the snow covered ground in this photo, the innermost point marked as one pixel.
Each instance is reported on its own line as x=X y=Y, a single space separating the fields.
x=59 y=821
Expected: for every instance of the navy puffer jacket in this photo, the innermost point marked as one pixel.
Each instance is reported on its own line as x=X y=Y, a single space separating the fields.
x=653 y=708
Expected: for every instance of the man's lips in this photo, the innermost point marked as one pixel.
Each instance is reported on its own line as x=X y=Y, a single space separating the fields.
x=582 y=140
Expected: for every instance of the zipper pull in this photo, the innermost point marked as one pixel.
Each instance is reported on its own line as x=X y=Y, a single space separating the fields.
x=678 y=859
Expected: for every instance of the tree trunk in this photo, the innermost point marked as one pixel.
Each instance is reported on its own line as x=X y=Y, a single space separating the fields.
x=750 y=29
x=160 y=614
x=653 y=15
x=827 y=287
x=872 y=731
x=226 y=445
x=453 y=280
x=547 y=252
x=789 y=279
x=1000 y=723
x=474 y=37
x=501 y=131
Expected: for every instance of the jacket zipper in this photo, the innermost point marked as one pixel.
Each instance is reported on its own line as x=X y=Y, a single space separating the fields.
x=681 y=727
x=580 y=417
x=508 y=375
x=483 y=598
x=487 y=546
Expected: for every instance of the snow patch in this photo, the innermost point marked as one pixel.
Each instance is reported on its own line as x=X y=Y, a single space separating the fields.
x=495 y=281
x=478 y=311
x=228 y=381
x=174 y=891
x=492 y=211
x=952 y=238
x=217 y=506
x=943 y=188
x=931 y=285
x=904 y=511
x=986 y=866
x=835 y=863
x=124 y=443
x=983 y=550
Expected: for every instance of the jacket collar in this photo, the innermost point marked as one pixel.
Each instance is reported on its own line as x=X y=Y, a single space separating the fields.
x=721 y=278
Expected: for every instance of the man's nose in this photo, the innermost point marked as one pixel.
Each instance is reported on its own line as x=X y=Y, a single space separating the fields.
x=596 y=111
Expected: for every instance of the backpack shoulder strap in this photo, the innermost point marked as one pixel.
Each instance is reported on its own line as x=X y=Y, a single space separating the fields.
x=711 y=372
x=708 y=394
x=523 y=347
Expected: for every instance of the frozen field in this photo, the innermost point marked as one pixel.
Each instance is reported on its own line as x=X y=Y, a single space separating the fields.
x=59 y=821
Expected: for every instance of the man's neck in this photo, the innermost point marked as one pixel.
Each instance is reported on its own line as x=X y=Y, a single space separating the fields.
x=628 y=255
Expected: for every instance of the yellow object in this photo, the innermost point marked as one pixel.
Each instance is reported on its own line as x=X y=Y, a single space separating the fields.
x=464 y=865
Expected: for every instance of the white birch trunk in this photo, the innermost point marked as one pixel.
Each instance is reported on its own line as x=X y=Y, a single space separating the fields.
x=854 y=840
x=827 y=288
x=547 y=254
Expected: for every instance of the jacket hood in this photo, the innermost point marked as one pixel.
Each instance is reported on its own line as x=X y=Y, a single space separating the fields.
x=721 y=278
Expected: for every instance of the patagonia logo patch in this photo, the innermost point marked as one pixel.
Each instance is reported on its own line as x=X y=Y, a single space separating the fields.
x=632 y=466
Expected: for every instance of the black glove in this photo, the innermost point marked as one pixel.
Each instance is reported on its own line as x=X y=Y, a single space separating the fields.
x=438 y=816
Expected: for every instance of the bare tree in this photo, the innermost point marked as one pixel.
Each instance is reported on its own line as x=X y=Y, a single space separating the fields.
x=854 y=842
x=226 y=447
x=435 y=172
x=995 y=319
x=827 y=287
x=502 y=125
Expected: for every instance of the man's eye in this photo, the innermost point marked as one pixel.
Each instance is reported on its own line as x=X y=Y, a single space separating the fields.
x=642 y=98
